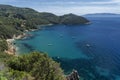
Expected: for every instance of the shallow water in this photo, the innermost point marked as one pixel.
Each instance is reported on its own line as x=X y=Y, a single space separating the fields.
x=94 y=50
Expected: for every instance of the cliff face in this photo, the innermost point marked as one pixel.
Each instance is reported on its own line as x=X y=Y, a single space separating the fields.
x=73 y=76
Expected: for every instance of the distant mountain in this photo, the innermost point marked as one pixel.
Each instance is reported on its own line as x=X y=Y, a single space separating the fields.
x=14 y=20
x=72 y=19
x=39 y=17
x=103 y=15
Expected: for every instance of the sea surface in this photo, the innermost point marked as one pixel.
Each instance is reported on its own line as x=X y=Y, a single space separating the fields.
x=93 y=50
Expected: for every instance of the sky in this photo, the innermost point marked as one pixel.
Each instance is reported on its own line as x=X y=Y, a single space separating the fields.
x=60 y=7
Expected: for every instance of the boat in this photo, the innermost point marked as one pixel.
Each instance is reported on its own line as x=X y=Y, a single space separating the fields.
x=87 y=45
x=50 y=44
x=73 y=37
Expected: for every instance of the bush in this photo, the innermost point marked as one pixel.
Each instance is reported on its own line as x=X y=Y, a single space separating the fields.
x=3 y=45
x=11 y=74
x=39 y=65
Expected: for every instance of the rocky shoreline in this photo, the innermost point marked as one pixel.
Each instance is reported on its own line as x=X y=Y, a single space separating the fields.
x=73 y=76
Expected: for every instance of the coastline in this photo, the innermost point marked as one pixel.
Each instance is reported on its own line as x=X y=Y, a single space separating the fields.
x=12 y=48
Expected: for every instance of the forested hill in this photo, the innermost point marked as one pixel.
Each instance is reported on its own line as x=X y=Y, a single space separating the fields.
x=14 y=20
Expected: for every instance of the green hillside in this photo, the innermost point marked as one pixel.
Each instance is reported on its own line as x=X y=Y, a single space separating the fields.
x=14 y=20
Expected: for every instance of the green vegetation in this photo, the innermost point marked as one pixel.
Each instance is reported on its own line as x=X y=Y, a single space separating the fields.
x=33 y=66
x=15 y=20
x=10 y=74
x=4 y=57
x=6 y=73
x=40 y=66
x=3 y=45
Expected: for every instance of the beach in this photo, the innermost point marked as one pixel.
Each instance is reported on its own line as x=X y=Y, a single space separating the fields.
x=11 y=47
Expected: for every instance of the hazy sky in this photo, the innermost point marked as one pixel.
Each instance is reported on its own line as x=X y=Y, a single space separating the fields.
x=60 y=7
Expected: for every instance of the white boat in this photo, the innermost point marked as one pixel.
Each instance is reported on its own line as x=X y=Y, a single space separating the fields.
x=87 y=45
x=73 y=37
x=50 y=44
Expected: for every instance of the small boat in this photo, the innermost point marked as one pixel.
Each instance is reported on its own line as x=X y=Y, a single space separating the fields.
x=87 y=45
x=50 y=44
x=73 y=37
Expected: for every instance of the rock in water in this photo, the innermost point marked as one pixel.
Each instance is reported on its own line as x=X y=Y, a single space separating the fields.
x=73 y=76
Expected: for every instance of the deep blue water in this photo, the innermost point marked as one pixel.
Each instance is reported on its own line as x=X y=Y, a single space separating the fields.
x=93 y=50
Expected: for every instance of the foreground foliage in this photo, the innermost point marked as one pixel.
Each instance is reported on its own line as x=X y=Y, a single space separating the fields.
x=3 y=45
x=40 y=66
x=7 y=73
x=14 y=75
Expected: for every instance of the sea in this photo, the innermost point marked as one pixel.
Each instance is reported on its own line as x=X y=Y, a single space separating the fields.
x=92 y=49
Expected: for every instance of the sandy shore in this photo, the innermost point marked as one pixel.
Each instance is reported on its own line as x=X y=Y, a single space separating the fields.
x=11 y=47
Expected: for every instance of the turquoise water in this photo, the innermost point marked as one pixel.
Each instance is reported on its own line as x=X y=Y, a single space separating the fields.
x=53 y=40
x=93 y=50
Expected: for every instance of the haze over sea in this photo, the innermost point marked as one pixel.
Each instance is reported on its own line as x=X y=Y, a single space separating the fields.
x=93 y=50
